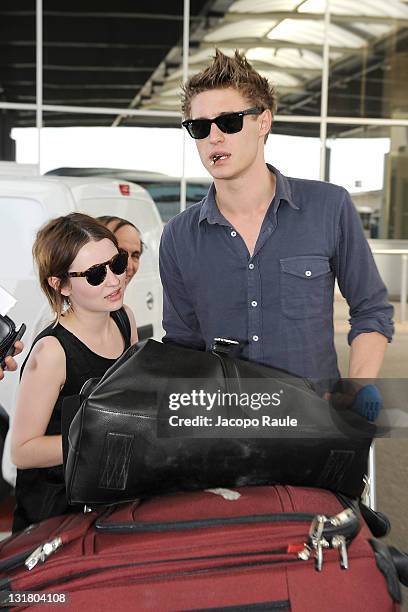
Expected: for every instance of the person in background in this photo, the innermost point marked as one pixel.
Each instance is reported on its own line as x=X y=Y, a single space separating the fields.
x=11 y=364
x=82 y=273
x=129 y=239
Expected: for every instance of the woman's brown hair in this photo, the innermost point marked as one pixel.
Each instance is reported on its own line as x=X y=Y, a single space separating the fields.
x=57 y=244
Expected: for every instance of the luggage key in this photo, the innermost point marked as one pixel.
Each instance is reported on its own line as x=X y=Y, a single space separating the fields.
x=315 y=533
x=339 y=541
x=316 y=542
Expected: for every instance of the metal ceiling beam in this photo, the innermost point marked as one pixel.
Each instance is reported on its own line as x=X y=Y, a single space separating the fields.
x=73 y=86
x=81 y=45
x=280 y=15
x=101 y=15
x=174 y=101
x=28 y=98
x=307 y=72
x=248 y=43
x=56 y=108
x=81 y=68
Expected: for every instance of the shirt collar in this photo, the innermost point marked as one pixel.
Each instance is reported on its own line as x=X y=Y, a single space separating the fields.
x=283 y=190
x=210 y=211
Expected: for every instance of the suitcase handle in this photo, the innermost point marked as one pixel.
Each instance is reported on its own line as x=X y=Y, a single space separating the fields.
x=104 y=525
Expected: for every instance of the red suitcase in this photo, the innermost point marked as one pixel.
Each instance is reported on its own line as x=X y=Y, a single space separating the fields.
x=197 y=551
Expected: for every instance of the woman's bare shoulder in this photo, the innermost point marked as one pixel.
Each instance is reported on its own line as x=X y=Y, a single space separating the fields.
x=47 y=352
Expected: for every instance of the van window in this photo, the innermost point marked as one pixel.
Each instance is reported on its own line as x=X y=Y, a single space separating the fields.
x=167 y=196
x=20 y=220
x=140 y=212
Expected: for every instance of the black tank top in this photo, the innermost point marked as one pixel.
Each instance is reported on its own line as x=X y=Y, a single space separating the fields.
x=40 y=492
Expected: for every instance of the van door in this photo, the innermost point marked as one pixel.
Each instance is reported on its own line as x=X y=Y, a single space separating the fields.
x=20 y=219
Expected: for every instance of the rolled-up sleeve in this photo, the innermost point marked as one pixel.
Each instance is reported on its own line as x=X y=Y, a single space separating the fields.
x=358 y=278
x=179 y=319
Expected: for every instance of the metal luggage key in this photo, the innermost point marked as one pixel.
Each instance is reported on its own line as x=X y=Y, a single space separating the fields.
x=318 y=541
x=330 y=532
x=340 y=543
x=315 y=532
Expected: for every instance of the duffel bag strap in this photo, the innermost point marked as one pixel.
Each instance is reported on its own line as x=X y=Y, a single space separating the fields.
x=226 y=346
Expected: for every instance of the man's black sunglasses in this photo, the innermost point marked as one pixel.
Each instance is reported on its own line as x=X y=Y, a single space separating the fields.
x=95 y=275
x=229 y=123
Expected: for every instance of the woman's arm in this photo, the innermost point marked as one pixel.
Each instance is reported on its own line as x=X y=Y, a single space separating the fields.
x=133 y=328
x=42 y=380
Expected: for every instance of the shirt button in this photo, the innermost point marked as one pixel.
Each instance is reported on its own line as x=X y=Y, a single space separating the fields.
x=254 y=304
x=308 y=273
x=233 y=233
x=251 y=266
x=255 y=338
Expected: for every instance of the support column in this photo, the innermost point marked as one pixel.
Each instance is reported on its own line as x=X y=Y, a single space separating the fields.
x=7 y=144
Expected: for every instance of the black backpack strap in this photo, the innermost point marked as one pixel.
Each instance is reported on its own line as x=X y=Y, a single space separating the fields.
x=122 y=321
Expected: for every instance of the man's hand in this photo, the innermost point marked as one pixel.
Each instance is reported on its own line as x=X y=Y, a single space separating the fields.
x=368 y=402
x=10 y=362
x=364 y=399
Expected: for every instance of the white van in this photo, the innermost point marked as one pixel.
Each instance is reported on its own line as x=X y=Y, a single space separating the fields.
x=26 y=203
x=164 y=189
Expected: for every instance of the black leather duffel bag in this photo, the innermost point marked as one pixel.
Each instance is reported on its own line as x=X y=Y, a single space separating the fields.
x=130 y=438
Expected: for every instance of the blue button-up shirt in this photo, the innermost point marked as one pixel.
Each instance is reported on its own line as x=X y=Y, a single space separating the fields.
x=279 y=302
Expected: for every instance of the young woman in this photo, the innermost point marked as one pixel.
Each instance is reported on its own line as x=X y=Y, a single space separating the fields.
x=82 y=272
x=129 y=239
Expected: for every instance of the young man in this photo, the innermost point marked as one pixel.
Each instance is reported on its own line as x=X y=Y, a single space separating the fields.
x=257 y=258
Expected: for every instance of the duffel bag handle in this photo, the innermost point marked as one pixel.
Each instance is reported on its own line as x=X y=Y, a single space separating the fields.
x=401 y=564
x=226 y=346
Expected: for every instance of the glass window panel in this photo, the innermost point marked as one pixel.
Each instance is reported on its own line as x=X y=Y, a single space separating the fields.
x=367 y=82
x=312 y=31
x=300 y=59
x=371 y=163
x=391 y=8
x=294 y=148
x=96 y=57
x=373 y=29
x=240 y=29
x=205 y=56
x=263 y=6
x=112 y=56
x=17 y=51
x=17 y=67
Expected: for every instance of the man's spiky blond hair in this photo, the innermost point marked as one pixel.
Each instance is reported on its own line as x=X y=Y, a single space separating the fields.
x=235 y=72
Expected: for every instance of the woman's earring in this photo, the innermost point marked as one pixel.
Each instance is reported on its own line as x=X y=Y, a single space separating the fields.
x=66 y=305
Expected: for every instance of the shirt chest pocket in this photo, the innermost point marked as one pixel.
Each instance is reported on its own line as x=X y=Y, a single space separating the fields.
x=306 y=286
